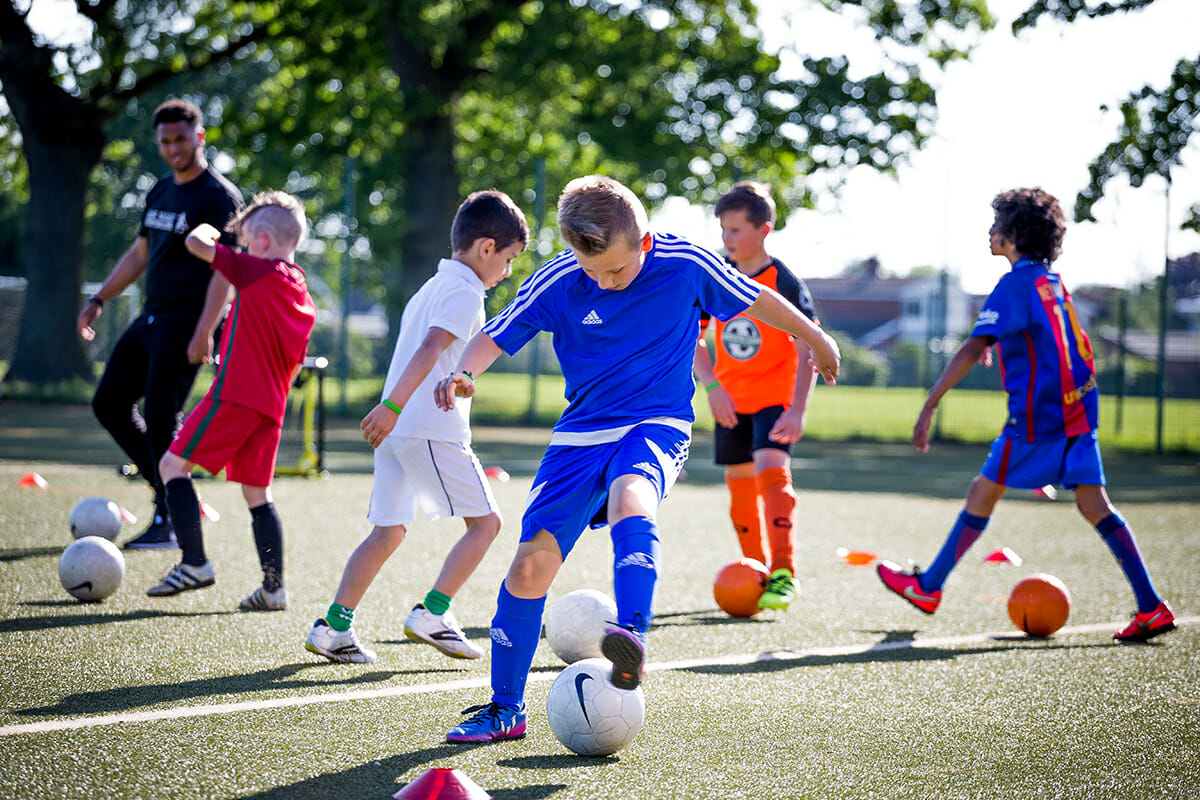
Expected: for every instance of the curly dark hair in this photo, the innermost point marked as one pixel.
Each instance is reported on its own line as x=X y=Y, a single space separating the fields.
x=1032 y=220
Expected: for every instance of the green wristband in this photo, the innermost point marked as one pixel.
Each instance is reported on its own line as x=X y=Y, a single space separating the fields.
x=712 y=386
x=391 y=405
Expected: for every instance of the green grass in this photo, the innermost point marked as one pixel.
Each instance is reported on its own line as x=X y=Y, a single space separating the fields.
x=954 y=715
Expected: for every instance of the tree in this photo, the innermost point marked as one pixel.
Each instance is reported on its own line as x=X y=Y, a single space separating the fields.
x=1156 y=125
x=63 y=99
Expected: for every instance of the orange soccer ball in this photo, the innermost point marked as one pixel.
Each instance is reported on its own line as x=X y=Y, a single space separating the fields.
x=738 y=586
x=1039 y=604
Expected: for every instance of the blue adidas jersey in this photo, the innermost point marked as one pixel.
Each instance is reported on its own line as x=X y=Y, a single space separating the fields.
x=1046 y=358
x=626 y=355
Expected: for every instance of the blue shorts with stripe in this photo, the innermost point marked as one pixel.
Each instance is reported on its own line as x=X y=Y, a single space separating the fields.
x=1070 y=462
x=570 y=490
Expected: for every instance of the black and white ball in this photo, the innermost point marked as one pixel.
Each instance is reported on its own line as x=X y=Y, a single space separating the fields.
x=588 y=714
x=577 y=622
x=91 y=568
x=96 y=516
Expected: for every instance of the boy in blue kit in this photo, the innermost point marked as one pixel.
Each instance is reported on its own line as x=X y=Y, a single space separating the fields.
x=1050 y=436
x=624 y=307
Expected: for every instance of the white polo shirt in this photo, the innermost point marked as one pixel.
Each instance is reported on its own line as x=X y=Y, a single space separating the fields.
x=453 y=301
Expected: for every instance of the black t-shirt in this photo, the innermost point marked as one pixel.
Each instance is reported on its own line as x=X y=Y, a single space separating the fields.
x=176 y=281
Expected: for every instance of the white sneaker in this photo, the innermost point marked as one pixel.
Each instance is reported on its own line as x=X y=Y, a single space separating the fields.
x=342 y=647
x=262 y=600
x=442 y=632
x=181 y=577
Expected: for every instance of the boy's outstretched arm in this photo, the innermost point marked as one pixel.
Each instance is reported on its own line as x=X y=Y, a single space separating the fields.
x=202 y=242
x=968 y=355
x=773 y=309
x=481 y=352
x=378 y=423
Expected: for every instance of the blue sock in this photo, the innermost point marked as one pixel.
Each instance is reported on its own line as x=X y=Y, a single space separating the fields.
x=1116 y=534
x=516 y=629
x=635 y=570
x=967 y=528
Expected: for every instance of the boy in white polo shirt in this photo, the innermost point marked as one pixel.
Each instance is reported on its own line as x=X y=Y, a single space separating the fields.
x=423 y=456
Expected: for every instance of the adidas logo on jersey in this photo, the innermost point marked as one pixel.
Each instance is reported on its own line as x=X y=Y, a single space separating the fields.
x=592 y=318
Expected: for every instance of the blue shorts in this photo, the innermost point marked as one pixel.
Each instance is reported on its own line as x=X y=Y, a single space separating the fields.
x=570 y=490
x=1071 y=462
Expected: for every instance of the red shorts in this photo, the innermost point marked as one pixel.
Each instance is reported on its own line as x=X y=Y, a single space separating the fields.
x=226 y=436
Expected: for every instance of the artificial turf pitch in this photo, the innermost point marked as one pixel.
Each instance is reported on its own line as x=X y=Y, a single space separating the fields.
x=850 y=694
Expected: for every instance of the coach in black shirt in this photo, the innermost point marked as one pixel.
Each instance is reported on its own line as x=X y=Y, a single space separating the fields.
x=159 y=354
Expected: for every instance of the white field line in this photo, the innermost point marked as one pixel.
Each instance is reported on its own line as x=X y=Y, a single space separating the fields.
x=190 y=711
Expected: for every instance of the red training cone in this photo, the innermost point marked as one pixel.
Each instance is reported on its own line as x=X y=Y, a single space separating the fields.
x=442 y=784
x=32 y=480
x=1003 y=556
x=208 y=512
x=127 y=516
x=1048 y=491
x=496 y=473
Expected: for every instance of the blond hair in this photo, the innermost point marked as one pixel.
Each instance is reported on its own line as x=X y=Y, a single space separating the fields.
x=594 y=211
x=277 y=213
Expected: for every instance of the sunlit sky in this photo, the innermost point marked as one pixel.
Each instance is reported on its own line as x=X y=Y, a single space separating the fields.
x=1023 y=111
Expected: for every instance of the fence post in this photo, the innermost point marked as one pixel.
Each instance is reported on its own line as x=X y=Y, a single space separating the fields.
x=1160 y=383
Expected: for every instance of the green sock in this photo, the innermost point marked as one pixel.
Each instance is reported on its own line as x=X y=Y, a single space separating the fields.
x=436 y=602
x=339 y=617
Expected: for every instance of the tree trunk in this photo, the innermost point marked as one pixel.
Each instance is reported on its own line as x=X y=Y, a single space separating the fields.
x=49 y=348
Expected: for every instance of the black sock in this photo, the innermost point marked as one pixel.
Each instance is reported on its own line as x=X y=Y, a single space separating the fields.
x=185 y=517
x=268 y=538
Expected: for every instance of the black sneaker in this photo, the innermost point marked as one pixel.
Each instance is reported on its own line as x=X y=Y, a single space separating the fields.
x=158 y=536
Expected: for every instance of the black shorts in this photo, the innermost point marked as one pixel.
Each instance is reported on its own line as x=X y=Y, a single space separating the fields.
x=736 y=445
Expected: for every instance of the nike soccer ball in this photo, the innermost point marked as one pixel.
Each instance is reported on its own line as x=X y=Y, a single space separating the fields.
x=95 y=516
x=588 y=714
x=577 y=622
x=91 y=568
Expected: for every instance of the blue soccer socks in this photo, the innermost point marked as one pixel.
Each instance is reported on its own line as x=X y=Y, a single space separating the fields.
x=1116 y=534
x=966 y=530
x=516 y=629
x=635 y=570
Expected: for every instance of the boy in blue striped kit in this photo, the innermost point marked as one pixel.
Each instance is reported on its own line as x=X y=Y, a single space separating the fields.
x=1050 y=434
x=624 y=306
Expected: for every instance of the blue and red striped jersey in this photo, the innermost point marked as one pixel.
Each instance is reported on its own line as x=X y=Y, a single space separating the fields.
x=1046 y=359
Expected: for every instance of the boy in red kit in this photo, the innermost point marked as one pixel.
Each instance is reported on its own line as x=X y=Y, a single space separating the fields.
x=758 y=393
x=236 y=427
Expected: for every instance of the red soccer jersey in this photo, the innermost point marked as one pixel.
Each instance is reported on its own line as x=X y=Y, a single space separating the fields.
x=756 y=363
x=266 y=334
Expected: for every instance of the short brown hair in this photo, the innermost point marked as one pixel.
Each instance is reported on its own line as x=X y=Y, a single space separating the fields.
x=489 y=214
x=752 y=197
x=1032 y=220
x=278 y=213
x=593 y=211
x=179 y=110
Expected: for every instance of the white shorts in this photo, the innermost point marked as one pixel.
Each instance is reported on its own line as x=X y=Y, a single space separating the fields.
x=444 y=478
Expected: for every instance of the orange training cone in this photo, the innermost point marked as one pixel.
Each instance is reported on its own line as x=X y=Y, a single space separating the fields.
x=442 y=784
x=856 y=558
x=32 y=480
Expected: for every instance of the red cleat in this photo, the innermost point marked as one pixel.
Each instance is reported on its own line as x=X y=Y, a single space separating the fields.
x=1147 y=624
x=906 y=584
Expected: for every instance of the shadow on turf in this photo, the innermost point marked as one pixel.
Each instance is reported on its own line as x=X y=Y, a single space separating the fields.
x=26 y=624
x=380 y=777
x=21 y=553
x=882 y=652
x=274 y=679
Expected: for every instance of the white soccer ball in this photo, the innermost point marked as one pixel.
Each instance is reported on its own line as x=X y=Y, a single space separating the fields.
x=96 y=516
x=588 y=714
x=577 y=622
x=91 y=568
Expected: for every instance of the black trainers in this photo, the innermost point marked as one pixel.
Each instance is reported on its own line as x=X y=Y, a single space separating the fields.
x=158 y=536
x=626 y=649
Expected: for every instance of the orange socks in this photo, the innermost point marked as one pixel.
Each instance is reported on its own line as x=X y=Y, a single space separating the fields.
x=779 y=503
x=746 y=516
